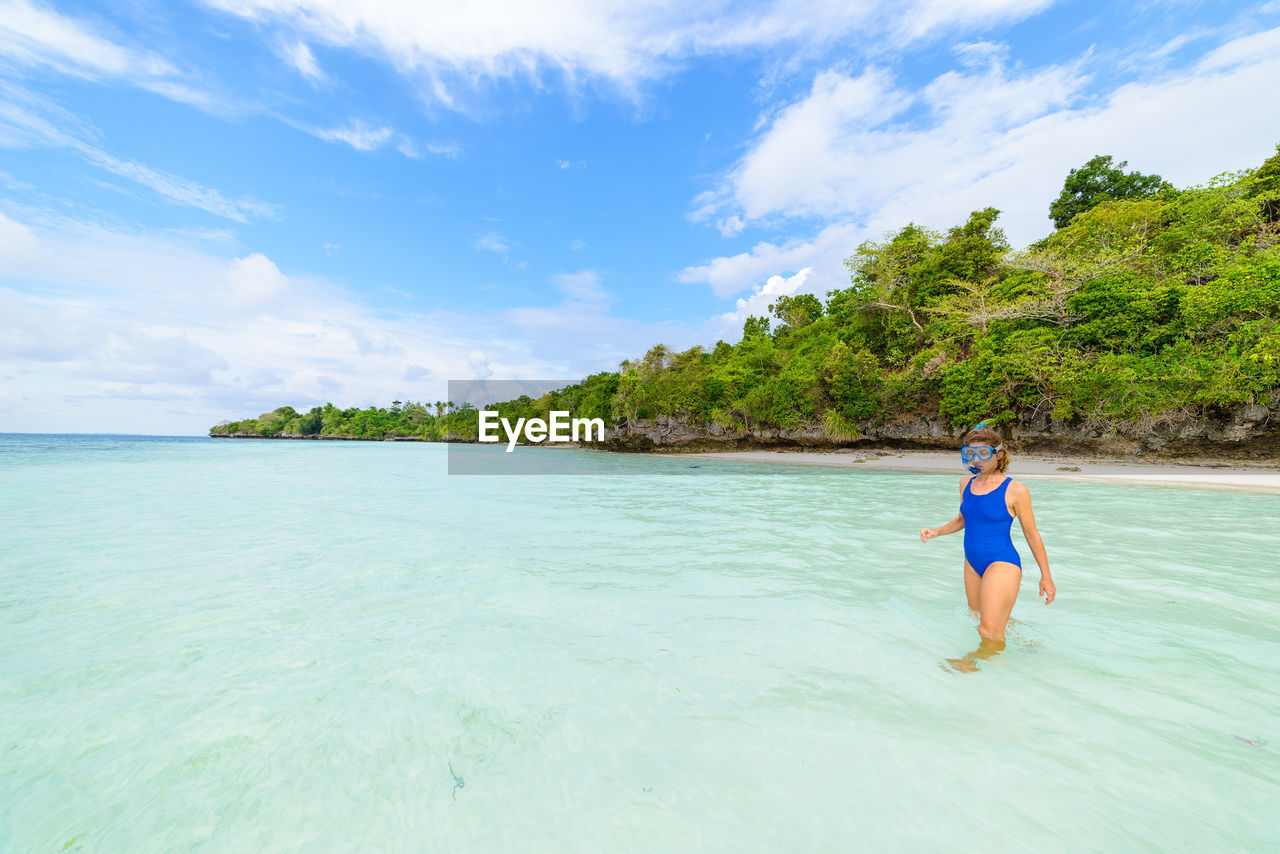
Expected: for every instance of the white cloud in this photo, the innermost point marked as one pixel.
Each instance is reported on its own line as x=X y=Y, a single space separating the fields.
x=731 y=226
x=455 y=46
x=417 y=373
x=838 y=151
x=1255 y=48
x=177 y=189
x=45 y=329
x=478 y=362
x=934 y=16
x=583 y=286
x=112 y=331
x=494 y=242
x=823 y=254
x=355 y=133
x=16 y=239
x=34 y=36
x=867 y=154
x=762 y=296
x=980 y=54
x=304 y=61
x=154 y=356
x=413 y=149
x=363 y=136
x=581 y=331
x=254 y=283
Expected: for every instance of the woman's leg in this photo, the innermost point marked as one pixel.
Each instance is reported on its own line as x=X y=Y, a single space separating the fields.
x=973 y=593
x=999 y=591
x=972 y=588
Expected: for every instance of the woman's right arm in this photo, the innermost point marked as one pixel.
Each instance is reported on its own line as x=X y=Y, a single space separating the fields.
x=956 y=524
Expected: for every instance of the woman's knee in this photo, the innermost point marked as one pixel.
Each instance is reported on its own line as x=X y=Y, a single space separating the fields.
x=989 y=630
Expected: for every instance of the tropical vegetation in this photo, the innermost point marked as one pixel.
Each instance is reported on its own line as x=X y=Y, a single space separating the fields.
x=1145 y=304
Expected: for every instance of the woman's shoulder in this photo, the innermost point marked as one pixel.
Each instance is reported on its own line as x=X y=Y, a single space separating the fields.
x=1016 y=486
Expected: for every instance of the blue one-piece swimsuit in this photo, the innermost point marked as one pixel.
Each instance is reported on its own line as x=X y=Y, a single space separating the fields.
x=986 y=528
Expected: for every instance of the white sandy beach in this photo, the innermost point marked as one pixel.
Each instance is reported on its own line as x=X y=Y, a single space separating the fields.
x=1209 y=473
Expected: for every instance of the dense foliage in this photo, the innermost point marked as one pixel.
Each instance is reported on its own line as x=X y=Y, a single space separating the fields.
x=436 y=421
x=1147 y=304
x=1100 y=181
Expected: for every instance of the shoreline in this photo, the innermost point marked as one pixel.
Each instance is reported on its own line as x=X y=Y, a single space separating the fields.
x=1211 y=472
x=1216 y=473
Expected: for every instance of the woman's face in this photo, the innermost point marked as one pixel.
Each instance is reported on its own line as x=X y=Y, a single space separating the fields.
x=980 y=458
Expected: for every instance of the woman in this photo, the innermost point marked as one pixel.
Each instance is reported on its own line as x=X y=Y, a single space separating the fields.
x=989 y=502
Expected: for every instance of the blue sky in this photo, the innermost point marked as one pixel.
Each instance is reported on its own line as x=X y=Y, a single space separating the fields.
x=211 y=209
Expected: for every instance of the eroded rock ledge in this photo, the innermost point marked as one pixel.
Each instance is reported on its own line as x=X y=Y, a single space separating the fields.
x=1245 y=433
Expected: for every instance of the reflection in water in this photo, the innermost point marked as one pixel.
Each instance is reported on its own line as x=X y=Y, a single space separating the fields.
x=969 y=663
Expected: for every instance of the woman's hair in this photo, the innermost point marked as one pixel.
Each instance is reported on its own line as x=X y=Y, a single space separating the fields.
x=987 y=436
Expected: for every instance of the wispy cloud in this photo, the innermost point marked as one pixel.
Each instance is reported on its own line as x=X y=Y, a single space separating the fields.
x=34 y=36
x=622 y=45
x=493 y=241
x=367 y=137
x=583 y=286
x=413 y=149
x=355 y=133
x=37 y=36
x=31 y=120
x=303 y=61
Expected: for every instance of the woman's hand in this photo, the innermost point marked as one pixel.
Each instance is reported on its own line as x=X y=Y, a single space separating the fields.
x=1047 y=590
x=956 y=524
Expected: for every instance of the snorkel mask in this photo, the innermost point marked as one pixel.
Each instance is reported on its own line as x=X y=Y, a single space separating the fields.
x=981 y=453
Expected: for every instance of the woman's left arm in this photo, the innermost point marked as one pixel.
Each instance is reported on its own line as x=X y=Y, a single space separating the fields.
x=1026 y=518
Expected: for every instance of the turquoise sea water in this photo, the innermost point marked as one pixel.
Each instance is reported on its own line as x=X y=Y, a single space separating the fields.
x=284 y=646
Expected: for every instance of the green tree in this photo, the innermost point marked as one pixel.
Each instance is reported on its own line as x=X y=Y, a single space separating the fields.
x=1265 y=182
x=1101 y=180
x=796 y=312
x=890 y=276
x=971 y=252
x=311 y=423
x=755 y=326
x=851 y=379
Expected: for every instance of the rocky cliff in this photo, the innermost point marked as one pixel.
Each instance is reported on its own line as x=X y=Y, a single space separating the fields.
x=1246 y=433
x=1250 y=432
